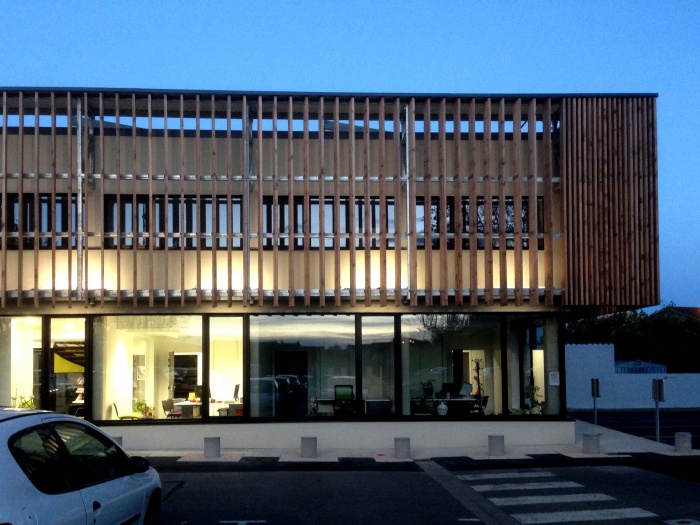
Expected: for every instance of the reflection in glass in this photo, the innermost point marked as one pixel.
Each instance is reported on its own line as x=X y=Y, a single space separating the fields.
x=296 y=363
x=378 y=365
x=20 y=362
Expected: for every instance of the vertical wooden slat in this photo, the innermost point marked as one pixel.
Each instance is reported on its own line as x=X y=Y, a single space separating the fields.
x=245 y=204
x=3 y=219
x=656 y=297
x=183 y=167
x=152 y=234
x=412 y=183
x=488 y=207
x=351 y=220
x=548 y=174
x=199 y=238
x=214 y=208
x=336 y=197
x=565 y=217
x=37 y=228
x=367 y=195
x=321 y=204
x=166 y=203
x=442 y=174
x=20 y=200
x=87 y=202
x=457 y=190
x=517 y=203
x=259 y=205
x=290 y=191
x=473 y=205
x=383 y=224
x=306 y=225
x=134 y=211
x=53 y=203
x=119 y=195
x=502 y=242
x=532 y=199
x=398 y=204
x=229 y=203
x=428 y=205
x=275 y=204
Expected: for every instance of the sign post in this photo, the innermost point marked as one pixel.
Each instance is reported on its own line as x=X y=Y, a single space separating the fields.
x=657 y=394
x=595 y=392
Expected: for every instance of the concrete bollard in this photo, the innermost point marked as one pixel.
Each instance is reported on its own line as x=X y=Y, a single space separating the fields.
x=212 y=447
x=309 y=447
x=591 y=443
x=684 y=443
x=402 y=448
x=497 y=445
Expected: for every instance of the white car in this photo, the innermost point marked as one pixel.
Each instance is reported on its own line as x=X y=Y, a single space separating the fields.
x=57 y=469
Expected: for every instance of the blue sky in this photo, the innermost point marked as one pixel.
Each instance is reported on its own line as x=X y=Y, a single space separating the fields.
x=394 y=46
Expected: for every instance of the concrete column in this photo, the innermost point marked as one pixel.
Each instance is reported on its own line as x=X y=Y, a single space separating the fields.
x=309 y=447
x=684 y=443
x=497 y=445
x=591 y=443
x=212 y=447
x=402 y=448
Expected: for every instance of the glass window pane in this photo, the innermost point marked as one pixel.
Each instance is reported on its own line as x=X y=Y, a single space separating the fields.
x=378 y=365
x=67 y=362
x=141 y=361
x=297 y=362
x=226 y=366
x=20 y=362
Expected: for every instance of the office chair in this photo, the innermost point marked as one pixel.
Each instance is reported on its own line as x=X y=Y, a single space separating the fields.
x=125 y=416
x=169 y=409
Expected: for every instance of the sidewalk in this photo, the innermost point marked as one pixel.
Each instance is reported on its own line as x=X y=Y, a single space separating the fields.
x=612 y=444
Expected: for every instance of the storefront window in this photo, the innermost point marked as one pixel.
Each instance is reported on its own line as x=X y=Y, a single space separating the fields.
x=378 y=365
x=302 y=365
x=226 y=366
x=20 y=362
x=148 y=366
x=67 y=365
x=448 y=363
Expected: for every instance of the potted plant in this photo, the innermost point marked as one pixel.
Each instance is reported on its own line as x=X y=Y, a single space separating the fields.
x=534 y=398
x=143 y=408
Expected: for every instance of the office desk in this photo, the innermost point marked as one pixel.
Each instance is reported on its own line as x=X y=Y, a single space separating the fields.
x=189 y=409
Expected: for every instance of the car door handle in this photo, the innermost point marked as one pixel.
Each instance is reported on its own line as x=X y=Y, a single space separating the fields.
x=96 y=506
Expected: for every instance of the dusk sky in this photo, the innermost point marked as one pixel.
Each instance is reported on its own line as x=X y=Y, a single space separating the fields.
x=377 y=46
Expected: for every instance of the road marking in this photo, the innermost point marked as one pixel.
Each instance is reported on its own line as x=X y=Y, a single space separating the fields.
x=561 y=498
x=583 y=515
x=528 y=486
x=505 y=475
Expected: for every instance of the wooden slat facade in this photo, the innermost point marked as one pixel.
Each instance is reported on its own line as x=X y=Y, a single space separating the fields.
x=305 y=201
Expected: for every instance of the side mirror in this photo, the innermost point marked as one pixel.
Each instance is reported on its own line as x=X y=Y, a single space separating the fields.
x=138 y=464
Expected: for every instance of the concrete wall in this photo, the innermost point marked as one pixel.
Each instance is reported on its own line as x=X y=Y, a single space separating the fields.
x=621 y=391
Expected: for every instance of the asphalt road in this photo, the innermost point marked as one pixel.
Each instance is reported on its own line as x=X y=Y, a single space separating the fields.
x=638 y=489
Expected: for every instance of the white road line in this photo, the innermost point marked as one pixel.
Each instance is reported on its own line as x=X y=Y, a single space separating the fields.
x=505 y=475
x=583 y=515
x=528 y=486
x=560 y=498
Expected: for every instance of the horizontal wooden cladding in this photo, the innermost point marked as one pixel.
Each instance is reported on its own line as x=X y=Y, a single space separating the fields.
x=609 y=175
x=437 y=170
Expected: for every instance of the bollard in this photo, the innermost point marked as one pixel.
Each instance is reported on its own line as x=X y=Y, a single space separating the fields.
x=212 y=447
x=118 y=440
x=497 y=446
x=591 y=443
x=402 y=448
x=683 y=443
x=309 y=447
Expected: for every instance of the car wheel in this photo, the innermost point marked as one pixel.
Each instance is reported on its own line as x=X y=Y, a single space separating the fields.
x=153 y=510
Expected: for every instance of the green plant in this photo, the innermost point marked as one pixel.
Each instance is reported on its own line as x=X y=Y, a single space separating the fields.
x=143 y=408
x=533 y=396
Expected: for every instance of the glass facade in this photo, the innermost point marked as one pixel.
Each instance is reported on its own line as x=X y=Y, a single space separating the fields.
x=281 y=367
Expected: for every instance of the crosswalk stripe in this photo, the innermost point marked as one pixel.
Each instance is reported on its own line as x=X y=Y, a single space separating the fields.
x=583 y=515
x=527 y=486
x=559 y=498
x=505 y=475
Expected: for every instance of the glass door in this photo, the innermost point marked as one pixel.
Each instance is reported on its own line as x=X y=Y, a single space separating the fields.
x=67 y=365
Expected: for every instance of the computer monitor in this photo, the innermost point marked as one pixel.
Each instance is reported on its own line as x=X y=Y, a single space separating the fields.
x=344 y=392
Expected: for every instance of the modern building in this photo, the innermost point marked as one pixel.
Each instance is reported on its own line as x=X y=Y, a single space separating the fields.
x=350 y=266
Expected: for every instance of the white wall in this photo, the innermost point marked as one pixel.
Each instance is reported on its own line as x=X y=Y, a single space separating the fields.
x=621 y=391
